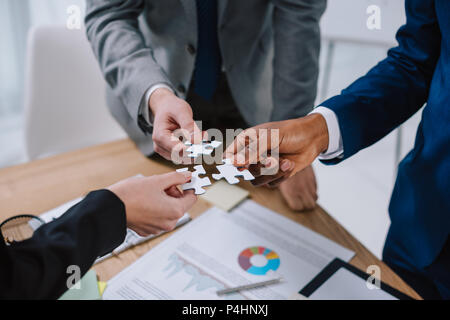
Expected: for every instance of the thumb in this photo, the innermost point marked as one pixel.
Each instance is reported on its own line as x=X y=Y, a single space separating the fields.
x=246 y=148
x=174 y=179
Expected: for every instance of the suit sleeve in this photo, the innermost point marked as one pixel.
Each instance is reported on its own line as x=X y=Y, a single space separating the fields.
x=296 y=56
x=396 y=88
x=127 y=63
x=37 y=268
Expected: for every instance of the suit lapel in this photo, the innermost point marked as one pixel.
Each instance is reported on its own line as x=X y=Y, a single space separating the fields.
x=222 y=8
x=191 y=15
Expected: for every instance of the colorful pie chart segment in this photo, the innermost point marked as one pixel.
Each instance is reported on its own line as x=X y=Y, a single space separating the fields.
x=272 y=258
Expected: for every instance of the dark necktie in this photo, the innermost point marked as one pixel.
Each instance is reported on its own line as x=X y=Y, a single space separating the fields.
x=208 y=60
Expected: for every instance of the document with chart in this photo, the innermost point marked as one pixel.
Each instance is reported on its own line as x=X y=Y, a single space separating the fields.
x=220 y=250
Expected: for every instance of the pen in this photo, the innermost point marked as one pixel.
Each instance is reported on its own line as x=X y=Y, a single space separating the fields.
x=248 y=286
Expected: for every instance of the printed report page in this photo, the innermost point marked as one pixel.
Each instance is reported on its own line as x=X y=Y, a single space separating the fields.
x=221 y=250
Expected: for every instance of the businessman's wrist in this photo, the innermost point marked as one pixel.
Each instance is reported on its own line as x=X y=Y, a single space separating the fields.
x=317 y=127
x=157 y=97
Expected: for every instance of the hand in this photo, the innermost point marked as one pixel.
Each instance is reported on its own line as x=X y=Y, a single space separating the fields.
x=171 y=113
x=299 y=142
x=154 y=204
x=300 y=190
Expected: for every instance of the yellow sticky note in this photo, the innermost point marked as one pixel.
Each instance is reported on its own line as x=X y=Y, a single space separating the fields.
x=224 y=195
x=101 y=287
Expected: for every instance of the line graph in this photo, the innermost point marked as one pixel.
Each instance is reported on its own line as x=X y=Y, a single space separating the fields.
x=197 y=279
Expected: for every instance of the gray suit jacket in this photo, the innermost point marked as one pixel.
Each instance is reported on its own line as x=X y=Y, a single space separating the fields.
x=269 y=49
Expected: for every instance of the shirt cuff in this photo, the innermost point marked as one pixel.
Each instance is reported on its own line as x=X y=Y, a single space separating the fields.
x=335 y=144
x=144 y=107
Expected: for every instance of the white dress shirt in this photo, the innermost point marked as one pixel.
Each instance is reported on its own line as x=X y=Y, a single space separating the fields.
x=335 y=145
x=144 y=107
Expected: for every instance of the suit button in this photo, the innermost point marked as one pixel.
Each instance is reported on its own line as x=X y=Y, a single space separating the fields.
x=182 y=89
x=191 y=49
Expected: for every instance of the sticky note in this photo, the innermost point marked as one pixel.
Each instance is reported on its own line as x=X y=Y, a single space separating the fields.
x=88 y=289
x=101 y=287
x=225 y=196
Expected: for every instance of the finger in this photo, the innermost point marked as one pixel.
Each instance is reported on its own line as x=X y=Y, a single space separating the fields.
x=312 y=188
x=162 y=151
x=145 y=231
x=187 y=200
x=255 y=169
x=174 y=192
x=246 y=149
x=236 y=146
x=186 y=122
x=272 y=166
x=164 y=225
x=179 y=155
x=313 y=182
x=165 y=141
x=276 y=183
x=270 y=173
x=205 y=135
x=152 y=230
x=268 y=167
x=240 y=141
x=308 y=181
x=286 y=165
x=299 y=200
x=173 y=179
x=253 y=145
x=295 y=200
x=263 y=180
x=197 y=136
x=308 y=201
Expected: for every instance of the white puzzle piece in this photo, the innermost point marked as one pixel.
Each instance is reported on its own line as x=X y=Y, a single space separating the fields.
x=229 y=172
x=204 y=148
x=196 y=183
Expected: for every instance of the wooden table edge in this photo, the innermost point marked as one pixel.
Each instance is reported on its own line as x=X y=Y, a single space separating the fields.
x=363 y=257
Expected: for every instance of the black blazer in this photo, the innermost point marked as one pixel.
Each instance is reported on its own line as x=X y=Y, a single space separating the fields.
x=37 y=268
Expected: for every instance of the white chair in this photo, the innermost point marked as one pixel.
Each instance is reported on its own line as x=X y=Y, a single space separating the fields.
x=65 y=104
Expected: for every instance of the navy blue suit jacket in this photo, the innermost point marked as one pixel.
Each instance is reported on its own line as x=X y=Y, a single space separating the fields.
x=414 y=73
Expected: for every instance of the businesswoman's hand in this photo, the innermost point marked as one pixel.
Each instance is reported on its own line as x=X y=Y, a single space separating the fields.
x=299 y=143
x=154 y=204
x=171 y=113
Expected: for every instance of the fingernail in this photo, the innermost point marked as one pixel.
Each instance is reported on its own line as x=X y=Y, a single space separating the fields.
x=286 y=165
x=187 y=174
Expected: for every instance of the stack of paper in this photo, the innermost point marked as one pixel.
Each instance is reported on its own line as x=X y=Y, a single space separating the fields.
x=221 y=250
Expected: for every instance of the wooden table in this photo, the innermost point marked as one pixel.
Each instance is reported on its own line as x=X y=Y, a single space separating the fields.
x=44 y=184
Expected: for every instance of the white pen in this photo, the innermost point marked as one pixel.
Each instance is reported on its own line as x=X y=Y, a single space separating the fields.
x=248 y=286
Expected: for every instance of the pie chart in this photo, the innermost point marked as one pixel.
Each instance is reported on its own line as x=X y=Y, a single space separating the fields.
x=258 y=260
